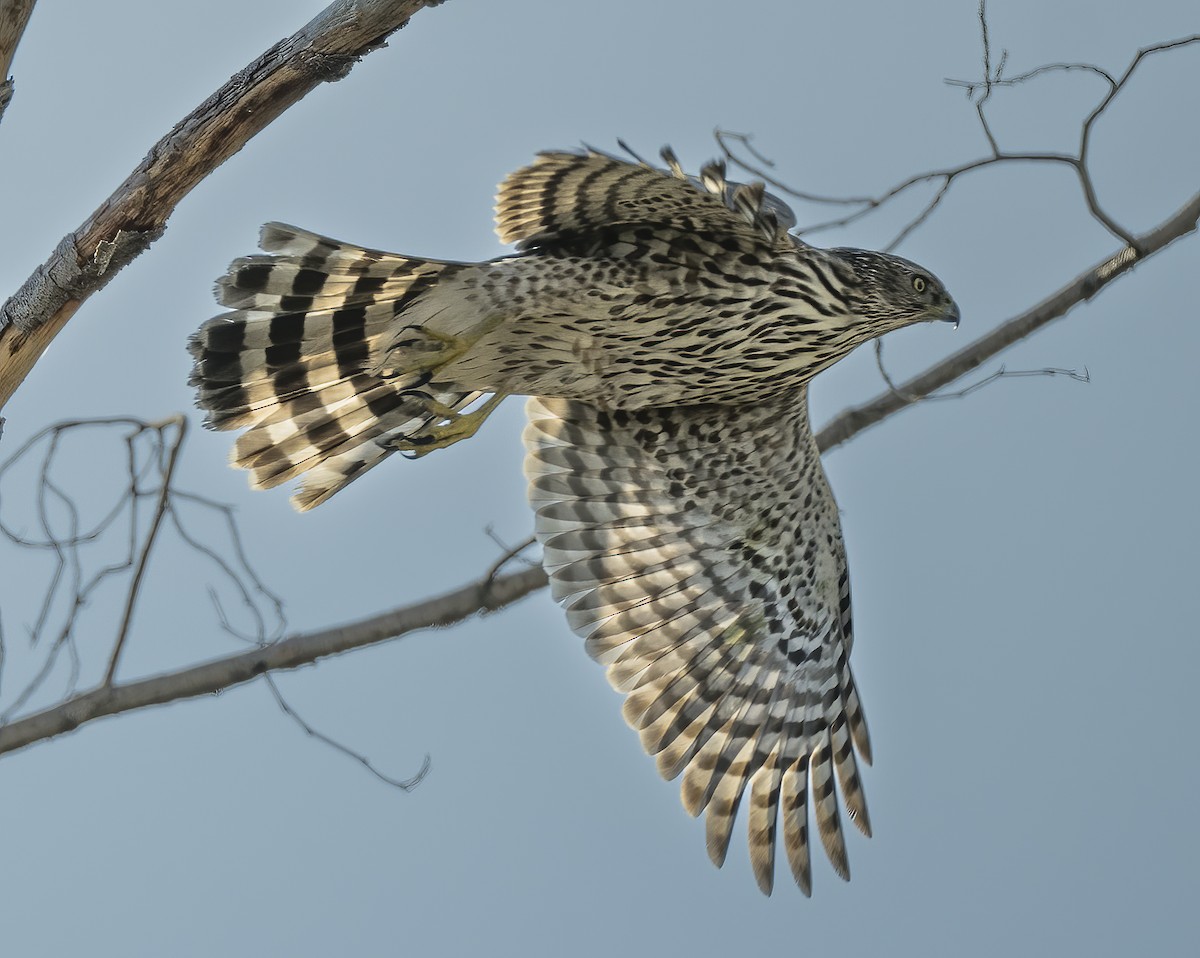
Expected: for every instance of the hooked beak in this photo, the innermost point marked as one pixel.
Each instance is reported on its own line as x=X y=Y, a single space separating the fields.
x=950 y=314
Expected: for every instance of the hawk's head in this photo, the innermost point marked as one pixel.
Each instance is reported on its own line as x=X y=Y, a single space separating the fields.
x=889 y=292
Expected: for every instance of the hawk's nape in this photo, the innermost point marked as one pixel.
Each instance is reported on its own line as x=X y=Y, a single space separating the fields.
x=669 y=326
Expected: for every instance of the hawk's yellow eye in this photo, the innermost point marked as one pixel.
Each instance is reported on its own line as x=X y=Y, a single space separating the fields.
x=919 y=283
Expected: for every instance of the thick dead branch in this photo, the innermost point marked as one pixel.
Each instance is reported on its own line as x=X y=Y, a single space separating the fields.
x=486 y=595
x=1087 y=284
x=14 y=14
x=136 y=214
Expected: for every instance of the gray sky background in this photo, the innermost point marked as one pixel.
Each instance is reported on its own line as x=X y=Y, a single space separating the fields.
x=1024 y=560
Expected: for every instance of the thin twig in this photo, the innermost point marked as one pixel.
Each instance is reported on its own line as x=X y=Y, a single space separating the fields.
x=160 y=509
x=243 y=578
x=72 y=539
x=1002 y=373
x=509 y=553
x=1088 y=124
x=887 y=376
x=725 y=137
x=989 y=81
x=943 y=178
x=66 y=580
x=972 y=85
x=1005 y=373
x=404 y=784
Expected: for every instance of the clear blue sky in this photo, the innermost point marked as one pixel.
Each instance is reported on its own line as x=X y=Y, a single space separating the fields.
x=1024 y=560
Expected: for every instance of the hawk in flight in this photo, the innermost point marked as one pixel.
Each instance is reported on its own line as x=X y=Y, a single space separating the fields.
x=666 y=328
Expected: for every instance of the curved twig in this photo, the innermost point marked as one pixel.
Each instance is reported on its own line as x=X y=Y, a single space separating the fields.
x=74 y=542
x=404 y=784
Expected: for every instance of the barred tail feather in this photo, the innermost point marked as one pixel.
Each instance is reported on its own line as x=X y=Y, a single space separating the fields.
x=296 y=362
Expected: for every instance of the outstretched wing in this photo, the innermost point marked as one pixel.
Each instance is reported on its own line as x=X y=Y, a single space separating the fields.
x=698 y=552
x=563 y=194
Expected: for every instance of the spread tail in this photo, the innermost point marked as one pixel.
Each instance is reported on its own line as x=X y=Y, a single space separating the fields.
x=296 y=363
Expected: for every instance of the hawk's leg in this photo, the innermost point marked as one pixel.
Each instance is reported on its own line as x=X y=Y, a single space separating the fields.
x=444 y=426
x=425 y=351
x=421 y=351
x=418 y=355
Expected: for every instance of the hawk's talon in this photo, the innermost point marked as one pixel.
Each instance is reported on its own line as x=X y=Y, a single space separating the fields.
x=443 y=428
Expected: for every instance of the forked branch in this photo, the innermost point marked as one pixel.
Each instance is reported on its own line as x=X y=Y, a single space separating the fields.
x=980 y=92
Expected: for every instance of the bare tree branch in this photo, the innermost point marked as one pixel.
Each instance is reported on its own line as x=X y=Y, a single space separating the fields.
x=135 y=215
x=980 y=91
x=494 y=590
x=160 y=509
x=478 y=598
x=1087 y=284
x=1136 y=248
x=80 y=543
x=14 y=14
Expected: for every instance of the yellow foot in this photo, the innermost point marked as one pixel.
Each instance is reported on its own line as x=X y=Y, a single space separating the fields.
x=444 y=427
x=420 y=351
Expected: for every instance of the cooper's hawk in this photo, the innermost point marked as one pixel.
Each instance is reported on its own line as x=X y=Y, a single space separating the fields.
x=668 y=327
